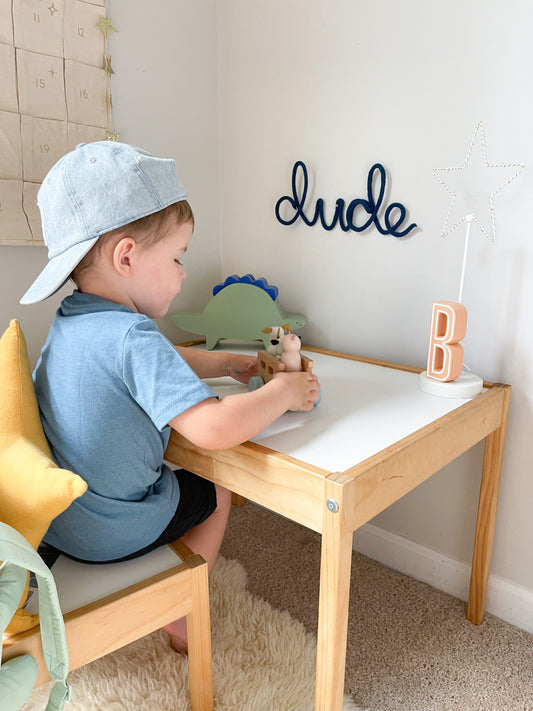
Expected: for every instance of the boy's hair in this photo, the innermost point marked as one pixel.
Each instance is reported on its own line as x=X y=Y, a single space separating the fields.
x=147 y=231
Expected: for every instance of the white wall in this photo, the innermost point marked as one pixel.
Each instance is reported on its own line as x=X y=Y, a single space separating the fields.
x=164 y=100
x=341 y=85
x=18 y=267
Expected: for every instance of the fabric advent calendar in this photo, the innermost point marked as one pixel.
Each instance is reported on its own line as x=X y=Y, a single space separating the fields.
x=54 y=94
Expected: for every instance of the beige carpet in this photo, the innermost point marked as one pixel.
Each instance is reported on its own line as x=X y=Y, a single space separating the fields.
x=263 y=660
x=410 y=647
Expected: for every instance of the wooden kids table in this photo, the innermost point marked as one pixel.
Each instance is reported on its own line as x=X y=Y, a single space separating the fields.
x=374 y=437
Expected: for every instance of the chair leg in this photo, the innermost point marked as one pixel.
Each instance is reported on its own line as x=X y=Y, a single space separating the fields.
x=199 y=638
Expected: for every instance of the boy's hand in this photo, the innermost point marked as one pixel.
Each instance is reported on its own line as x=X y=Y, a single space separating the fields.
x=303 y=387
x=242 y=368
x=224 y=423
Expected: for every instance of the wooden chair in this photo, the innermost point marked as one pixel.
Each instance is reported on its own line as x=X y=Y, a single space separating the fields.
x=106 y=607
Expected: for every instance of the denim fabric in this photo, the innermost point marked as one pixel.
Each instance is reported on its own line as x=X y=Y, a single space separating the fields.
x=96 y=188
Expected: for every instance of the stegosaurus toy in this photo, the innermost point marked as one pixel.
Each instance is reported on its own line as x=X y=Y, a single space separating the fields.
x=241 y=308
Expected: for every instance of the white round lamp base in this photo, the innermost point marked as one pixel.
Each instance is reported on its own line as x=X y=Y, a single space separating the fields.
x=466 y=385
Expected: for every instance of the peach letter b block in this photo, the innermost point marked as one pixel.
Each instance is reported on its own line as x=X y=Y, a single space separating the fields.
x=448 y=327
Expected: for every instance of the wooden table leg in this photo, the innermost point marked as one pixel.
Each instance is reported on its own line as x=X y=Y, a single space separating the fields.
x=486 y=517
x=199 y=636
x=336 y=559
x=237 y=500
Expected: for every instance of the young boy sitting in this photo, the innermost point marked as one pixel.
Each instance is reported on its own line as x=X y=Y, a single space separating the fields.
x=110 y=385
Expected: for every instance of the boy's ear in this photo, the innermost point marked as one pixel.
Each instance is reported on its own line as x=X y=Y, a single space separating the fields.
x=123 y=254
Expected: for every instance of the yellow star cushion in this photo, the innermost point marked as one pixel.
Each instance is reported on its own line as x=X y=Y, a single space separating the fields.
x=33 y=490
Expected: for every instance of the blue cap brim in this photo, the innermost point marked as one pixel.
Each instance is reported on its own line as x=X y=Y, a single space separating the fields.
x=57 y=272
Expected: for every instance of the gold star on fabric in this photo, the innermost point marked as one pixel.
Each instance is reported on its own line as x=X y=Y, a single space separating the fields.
x=474 y=185
x=110 y=136
x=53 y=9
x=106 y=25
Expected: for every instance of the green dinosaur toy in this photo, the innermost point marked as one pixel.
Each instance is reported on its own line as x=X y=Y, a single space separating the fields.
x=241 y=308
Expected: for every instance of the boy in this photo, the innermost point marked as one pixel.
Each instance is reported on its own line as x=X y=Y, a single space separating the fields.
x=110 y=386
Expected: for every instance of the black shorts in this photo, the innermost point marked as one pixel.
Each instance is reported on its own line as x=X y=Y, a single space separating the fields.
x=198 y=500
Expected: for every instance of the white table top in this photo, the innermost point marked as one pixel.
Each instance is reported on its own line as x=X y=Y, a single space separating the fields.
x=364 y=409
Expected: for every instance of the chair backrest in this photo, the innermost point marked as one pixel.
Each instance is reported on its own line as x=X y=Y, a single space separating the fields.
x=18 y=675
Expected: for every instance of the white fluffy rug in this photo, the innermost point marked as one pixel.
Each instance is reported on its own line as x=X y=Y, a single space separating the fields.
x=263 y=660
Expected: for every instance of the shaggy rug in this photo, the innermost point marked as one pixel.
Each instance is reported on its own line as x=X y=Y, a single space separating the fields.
x=263 y=660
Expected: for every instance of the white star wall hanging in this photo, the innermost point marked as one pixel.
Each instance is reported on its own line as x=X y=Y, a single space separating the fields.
x=474 y=185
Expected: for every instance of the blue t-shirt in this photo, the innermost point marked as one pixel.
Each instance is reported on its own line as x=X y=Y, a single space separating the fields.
x=108 y=383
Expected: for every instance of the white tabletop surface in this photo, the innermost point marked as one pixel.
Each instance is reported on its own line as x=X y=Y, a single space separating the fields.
x=364 y=409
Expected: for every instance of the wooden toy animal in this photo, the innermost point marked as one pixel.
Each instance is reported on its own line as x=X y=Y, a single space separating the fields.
x=290 y=353
x=268 y=365
x=275 y=334
x=241 y=308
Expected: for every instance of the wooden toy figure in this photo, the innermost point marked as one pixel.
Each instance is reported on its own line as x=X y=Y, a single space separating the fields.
x=274 y=335
x=240 y=308
x=268 y=364
x=290 y=353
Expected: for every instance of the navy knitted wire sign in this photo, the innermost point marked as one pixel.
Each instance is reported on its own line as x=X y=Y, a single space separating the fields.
x=345 y=216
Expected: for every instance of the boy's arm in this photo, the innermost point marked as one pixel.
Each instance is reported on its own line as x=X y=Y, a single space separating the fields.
x=221 y=424
x=207 y=364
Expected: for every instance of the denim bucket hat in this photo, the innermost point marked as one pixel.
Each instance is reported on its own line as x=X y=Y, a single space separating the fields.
x=96 y=188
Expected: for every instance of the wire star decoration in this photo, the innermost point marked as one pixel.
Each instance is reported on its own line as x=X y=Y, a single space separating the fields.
x=474 y=185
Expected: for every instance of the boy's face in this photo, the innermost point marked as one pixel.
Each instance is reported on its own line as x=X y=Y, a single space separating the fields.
x=159 y=272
